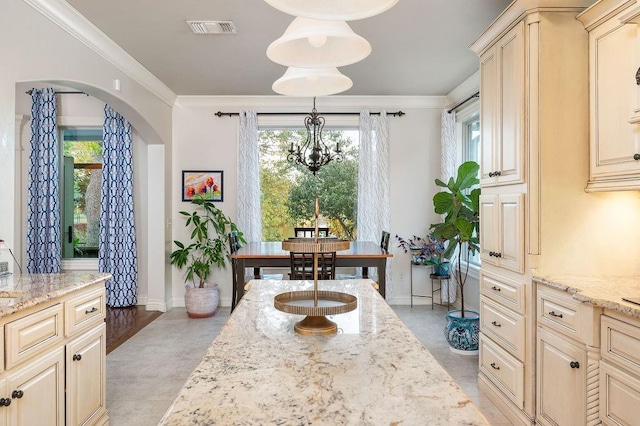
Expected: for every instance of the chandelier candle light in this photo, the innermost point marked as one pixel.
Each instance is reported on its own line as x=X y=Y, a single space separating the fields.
x=314 y=153
x=315 y=304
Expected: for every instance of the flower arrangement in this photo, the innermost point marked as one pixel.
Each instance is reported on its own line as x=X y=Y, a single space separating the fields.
x=424 y=251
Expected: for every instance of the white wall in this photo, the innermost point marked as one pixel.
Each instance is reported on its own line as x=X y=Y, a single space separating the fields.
x=205 y=141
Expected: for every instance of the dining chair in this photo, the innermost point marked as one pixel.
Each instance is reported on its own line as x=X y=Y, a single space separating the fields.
x=309 y=232
x=302 y=265
x=234 y=246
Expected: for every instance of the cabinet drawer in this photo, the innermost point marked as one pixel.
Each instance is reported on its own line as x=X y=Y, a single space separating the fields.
x=619 y=396
x=503 y=290
x=559 y=311
x=84 y=311
x=31 y=334
x=503 y=369
x=621 y=343
x=503 y=326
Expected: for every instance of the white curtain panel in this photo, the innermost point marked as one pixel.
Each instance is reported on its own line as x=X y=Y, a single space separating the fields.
x=249 y=221
x=447 y=170
x=374 y=207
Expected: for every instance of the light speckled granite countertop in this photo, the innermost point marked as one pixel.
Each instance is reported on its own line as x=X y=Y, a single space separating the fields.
x=18 y=292
x=373 y=372
x=606 y=292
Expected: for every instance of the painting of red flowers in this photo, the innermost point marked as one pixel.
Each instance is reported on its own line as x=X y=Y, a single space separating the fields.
x=201 y=182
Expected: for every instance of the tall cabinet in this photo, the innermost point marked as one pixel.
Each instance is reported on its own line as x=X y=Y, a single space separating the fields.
x=533 y=113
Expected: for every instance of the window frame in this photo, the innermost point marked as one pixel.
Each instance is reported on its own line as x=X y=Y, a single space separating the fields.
x=464 y=118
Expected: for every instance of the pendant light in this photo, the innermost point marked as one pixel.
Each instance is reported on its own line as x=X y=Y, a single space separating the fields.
x=341 y=10
x=312 y=43
x=312 y=82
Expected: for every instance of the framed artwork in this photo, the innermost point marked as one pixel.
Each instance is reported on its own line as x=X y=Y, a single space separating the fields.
x=208 y=183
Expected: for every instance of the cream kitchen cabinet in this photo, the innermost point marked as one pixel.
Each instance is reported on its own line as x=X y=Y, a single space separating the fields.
x=55 y=355
x=620 y=370
x=614 y=61
x=502 y=230
x=501 y=109
x=567 y=359
x=533 y=113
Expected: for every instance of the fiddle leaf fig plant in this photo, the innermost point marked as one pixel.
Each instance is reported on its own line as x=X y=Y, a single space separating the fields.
x=459 y=202
x=209 y=245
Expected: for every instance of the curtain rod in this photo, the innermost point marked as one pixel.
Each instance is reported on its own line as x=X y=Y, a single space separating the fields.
x=229 y=114
x=30 y=91
x=475 y=95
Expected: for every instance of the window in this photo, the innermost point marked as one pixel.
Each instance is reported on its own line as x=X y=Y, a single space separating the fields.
x=80 y=191
x=288 y=190
x=470 y=131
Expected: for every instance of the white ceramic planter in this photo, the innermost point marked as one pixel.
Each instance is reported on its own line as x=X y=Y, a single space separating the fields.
x=202 y=302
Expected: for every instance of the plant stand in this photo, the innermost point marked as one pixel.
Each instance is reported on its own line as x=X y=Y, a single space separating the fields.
x=435 y=279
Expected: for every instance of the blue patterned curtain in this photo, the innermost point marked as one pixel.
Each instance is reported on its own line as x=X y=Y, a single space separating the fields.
x=43 y=216
x=117 y=247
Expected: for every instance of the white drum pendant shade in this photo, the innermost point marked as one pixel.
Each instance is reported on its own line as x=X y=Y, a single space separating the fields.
x=311 y=43
x=312 y=82
x=340 y=10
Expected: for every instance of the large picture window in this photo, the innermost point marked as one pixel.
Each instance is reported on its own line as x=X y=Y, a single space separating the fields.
x=288 y=190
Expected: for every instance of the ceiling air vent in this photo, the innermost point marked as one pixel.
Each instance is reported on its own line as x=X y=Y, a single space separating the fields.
x=212 y=27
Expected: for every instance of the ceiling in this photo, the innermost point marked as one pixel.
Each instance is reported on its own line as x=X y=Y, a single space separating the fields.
x=419 y=47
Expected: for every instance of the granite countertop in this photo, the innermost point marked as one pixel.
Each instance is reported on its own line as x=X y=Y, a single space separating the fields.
x=373 y=372
x=603 y=291
x=18 y=292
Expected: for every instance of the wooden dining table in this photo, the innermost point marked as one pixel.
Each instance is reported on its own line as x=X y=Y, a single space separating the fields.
x=269 y=254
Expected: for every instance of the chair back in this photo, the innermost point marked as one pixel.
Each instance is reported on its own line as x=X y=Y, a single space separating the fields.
x=234 y=242
x=384 y=241
x=302 y=266
x=309 y=232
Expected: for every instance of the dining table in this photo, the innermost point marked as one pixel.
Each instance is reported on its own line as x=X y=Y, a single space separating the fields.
x=269 y=254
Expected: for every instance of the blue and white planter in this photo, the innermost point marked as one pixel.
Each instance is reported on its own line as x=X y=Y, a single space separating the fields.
x=463 y=334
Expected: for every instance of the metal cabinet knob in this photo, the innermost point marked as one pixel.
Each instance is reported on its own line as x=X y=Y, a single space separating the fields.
x=636 y=157
x=17 y=394
x=574 y=364
x=77 y=357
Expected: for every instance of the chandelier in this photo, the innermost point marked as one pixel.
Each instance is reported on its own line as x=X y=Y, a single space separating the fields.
x=314 y=153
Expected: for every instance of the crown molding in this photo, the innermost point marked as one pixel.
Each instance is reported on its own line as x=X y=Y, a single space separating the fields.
x=69 y=19
x=276 y=103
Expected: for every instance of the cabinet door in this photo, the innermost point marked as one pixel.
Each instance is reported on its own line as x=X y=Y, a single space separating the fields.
x=511 y=232
x=86 y=397
x=488 y=115
x=501 y=110
x=502 y=230
x=509 y=159
x=614 y=60
x=489 y=226
x=561 y=381
x=37 y=392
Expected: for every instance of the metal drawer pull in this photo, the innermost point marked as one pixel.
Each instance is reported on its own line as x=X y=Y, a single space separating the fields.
x=497 y=324
x=494 y=288
x=574 y=364
x=17 y=394
x=553 y=314
x=493 y=365
x=91 y=311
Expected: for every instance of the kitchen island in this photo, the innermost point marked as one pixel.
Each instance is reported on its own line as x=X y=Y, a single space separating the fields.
x=374 y=371
x=52 y=368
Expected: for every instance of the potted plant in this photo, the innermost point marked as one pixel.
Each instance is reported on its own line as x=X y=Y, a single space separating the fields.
x=209 y=247
x=426 y=251
x=459 y=202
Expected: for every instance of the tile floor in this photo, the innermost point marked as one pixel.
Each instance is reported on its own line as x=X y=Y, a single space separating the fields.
x=146 y=372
